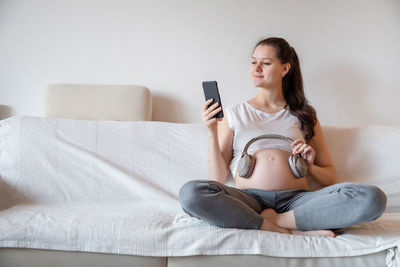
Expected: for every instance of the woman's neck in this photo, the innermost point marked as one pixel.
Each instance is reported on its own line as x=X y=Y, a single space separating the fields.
x=269 y=98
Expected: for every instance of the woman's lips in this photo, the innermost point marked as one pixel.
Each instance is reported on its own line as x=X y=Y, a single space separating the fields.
x=259 y=76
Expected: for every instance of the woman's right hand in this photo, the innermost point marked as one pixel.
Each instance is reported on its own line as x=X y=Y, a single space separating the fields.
x=207 y=114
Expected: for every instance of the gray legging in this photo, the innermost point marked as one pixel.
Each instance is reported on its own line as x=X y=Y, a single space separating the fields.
x=333 y=207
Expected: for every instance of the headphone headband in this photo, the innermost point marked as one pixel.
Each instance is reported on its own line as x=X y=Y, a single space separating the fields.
x=265 y=136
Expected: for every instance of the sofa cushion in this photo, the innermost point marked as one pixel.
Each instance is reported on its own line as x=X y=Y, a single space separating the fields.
x=98 y=102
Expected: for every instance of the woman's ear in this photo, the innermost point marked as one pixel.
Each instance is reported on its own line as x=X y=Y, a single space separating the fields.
x=286 y=68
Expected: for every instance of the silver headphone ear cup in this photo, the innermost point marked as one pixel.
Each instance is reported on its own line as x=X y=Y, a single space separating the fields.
x=302 y=167
x=246 y=166
x=298 y=166
x=293 y=166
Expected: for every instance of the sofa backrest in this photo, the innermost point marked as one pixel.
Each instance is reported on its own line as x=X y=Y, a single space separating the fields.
x=50 y=160
x=366 y=154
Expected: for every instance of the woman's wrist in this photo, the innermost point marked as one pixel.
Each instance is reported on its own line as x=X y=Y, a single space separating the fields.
x=212 y=134
x=310 y=169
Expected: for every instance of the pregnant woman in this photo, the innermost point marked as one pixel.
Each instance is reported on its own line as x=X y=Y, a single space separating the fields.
x=272 y=198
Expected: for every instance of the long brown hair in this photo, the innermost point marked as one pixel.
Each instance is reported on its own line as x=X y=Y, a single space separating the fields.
x=292 y=85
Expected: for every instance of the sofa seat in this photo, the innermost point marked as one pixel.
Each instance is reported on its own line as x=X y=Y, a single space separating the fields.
x=162 y=230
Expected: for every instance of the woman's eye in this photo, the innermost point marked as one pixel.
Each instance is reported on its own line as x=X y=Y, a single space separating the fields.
x=253 y=62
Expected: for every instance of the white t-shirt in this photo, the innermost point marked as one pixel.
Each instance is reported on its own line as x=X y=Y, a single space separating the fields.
x=248 y=122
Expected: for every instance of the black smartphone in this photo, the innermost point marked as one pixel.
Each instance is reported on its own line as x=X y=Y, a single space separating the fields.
x=210 y=89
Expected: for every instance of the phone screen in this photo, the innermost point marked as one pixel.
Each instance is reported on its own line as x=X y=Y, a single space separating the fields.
x=210 y=89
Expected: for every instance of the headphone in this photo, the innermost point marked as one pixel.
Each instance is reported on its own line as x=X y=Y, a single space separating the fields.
x=247 y=162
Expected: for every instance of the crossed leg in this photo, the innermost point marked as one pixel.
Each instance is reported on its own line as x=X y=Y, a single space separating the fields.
x=336 y=206
x=273 y=219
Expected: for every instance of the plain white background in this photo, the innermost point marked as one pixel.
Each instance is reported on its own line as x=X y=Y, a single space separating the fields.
x=348 y=50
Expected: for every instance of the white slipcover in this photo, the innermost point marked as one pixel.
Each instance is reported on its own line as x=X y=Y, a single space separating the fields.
x=108 y=186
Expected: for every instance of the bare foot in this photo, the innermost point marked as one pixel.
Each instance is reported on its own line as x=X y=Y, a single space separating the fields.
x=269 y=214
x=270 y=221
x=269 y=225
x=315 y=232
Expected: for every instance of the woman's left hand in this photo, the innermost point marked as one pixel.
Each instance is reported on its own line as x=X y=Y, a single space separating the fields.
x=306 y=151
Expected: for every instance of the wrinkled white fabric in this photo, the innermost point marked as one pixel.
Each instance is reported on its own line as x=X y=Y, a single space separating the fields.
x=112 y=187
x=393 y=257
x=159 y=229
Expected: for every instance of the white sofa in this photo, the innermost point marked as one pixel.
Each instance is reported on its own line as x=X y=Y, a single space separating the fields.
x=101 y=193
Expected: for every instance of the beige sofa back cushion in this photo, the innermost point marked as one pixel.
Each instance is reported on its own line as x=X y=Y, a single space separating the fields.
x=98 y=102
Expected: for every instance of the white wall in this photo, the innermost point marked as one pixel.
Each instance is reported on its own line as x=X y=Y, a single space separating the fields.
x=349 y=51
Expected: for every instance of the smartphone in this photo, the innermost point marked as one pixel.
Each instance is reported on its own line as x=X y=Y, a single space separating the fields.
x=210 y=89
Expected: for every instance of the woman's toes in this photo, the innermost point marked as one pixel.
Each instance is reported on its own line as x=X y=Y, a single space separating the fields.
x=325 y=233
x=331 y=233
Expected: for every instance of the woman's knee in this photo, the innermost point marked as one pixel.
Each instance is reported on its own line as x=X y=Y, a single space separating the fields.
x=376 y=202
x=373 y=201
x=190 y=194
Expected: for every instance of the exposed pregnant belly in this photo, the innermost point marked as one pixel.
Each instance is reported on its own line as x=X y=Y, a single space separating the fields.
x=271 y=172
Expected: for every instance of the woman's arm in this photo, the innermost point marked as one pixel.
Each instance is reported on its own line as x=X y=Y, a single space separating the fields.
x=323 y=175
x=220 y=152
x=322 y=170
x=316 y=154
x=220 y=138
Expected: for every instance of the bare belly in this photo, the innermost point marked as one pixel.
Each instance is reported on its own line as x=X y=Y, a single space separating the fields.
x=271 y=172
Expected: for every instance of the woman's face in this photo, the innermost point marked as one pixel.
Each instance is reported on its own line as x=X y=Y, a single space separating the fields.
x=266 y=69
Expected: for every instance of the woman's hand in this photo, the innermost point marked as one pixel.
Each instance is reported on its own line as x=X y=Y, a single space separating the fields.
x=306 y=151
x=207 y=114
